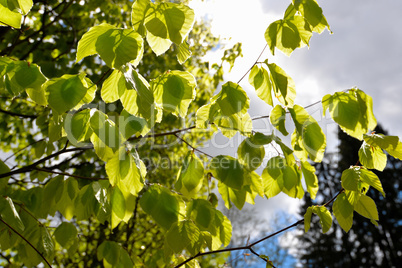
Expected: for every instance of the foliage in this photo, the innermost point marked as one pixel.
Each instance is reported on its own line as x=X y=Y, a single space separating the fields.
x=364 y=244
x=101 y=123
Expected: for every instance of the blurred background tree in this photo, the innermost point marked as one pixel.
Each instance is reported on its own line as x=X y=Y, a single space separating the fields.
x=365 y=245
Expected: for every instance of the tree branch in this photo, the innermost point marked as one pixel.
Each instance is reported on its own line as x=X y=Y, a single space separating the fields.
x=249 y=247
x=256 y=61
x=18 y=114
x=68 y=174
x=192 y=147
x=29 y=243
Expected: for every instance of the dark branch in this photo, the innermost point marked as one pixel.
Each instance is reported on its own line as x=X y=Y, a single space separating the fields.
x=29 y=243
x=249 y=247
x=18 y=114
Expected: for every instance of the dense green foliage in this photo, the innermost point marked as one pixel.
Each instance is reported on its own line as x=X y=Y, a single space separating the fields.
x=104 y=106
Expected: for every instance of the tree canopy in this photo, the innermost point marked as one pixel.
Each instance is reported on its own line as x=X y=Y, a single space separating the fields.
x=104 y=109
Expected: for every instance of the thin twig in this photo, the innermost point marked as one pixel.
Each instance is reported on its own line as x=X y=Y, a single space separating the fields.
x=256 y=61
x=18 y=114
x=249 y=247
x=20 y=150
x=192 y=147
x=67 y=174
x=29 y=243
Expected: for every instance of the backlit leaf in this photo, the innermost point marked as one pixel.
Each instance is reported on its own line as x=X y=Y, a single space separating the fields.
x=174 y=91
x=189 y=178
x=343 y=212
x=259 y=79
x=283 y=85
x=367 y=208
x=250 y=155
x=167 y=21
x=310 y=178
x=372 y=157
x=311 y=134
x=115 y=46
x=228 y=171
x=65 y=92
x=164 y=206
x=277 y=118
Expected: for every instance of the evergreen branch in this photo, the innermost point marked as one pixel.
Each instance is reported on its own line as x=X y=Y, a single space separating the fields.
x=26 y=240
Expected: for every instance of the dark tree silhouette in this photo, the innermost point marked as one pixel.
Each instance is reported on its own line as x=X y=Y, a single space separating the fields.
x=365 y=245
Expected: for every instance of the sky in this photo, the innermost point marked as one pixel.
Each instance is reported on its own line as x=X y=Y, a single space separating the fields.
x=363 y=51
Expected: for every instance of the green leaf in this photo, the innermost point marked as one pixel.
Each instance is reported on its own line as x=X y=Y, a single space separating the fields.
x=130 y=125
x=382 y=141
x=367 y=208
x=9 y=18
x=229 y=195
x=343 y=212
x=183 y=52
x=283 y=85
x=77 y=126
x=259 y=79
x=65 y=92
x=106 y=130
x=228 y=171
x=189 y=178
x=174 y=91
x=25 y=76
x=3 y=169
x=138 y=12
x=9 y=213
x=165 y=207
x=65 y=234
x=109 y=251
x=123 y=172
x=313 y=140
x=118 y=204
x=250 y=154
x=113 y=87
x=122 y=206
x=372 y=157
x=307 y=219
x=371 y=179
x=284 y=35
x=325 y=218
x=46 y=245
x=103 y=151
x=278 y=176
x=229 y=125
x=167 y=21
x=115 y=46
x=389 y=143
x=310 y=178
x=350 y=179
x=277 y=119
x=352 y=111
x=22 y=6
x=137 y=98
x=312 y=12
x=232 y=99
x=181 y=235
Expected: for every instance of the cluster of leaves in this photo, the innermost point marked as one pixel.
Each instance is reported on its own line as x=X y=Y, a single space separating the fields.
x=186 y=216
